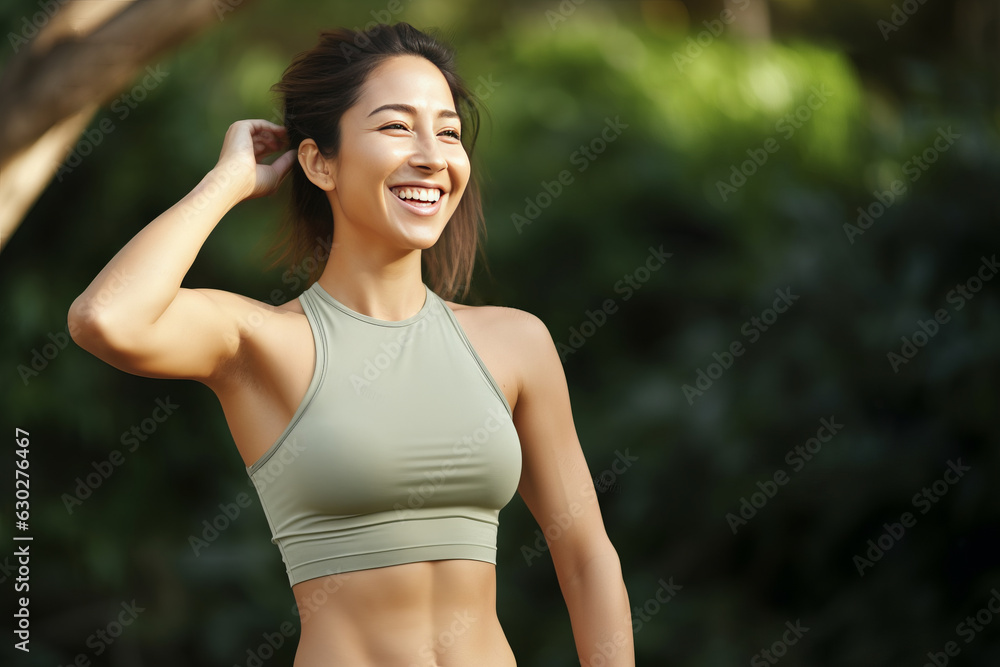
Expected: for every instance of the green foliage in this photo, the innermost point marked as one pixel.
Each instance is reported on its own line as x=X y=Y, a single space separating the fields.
x=682 y=130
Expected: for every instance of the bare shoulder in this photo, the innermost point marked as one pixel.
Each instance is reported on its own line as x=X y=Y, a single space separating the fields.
x=517 y=327
x=512 y=340
x=493 y=314
x=257 y=327
x=240 y=305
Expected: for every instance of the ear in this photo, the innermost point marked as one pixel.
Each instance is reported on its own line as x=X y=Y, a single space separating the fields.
x=315 y=166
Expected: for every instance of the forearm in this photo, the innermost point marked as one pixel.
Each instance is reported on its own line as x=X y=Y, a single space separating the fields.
x=599 y=612
x=143 y=278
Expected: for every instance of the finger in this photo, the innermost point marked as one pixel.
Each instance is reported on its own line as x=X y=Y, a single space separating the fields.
x=270 y=140
x=283 y=163
x=260 y=122
x=261 y=125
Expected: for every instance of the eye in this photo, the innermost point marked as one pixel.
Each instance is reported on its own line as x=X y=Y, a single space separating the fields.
x=453 y=133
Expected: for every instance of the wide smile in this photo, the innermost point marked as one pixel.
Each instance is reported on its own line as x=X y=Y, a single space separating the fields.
x=418 y=207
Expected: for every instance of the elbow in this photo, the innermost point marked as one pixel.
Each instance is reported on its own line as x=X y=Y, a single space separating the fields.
x=88 y=325
x=106 y=337
x=608 y=556
x=594 y=556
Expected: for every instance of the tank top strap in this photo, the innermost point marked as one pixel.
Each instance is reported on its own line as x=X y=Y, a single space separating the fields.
x=457 y=328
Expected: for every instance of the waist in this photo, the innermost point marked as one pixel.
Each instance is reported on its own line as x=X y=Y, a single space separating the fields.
x=426 y=614
x=315 y=546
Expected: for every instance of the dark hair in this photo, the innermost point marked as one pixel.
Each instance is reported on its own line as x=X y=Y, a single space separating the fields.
x=317 y=88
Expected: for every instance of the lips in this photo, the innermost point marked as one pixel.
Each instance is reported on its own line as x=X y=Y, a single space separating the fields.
x=418 y=209
x=418 y=189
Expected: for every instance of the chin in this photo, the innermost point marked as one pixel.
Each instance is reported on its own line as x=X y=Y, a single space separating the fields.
x=420 y=236
x=415 y=238
x=423 y=242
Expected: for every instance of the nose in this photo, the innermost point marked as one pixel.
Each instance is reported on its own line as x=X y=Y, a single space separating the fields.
x=427 y=154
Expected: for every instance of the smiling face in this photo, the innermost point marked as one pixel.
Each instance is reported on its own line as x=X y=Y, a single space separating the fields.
x=404 y=130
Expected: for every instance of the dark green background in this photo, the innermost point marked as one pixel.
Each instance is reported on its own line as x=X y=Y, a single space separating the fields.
x=655 y=184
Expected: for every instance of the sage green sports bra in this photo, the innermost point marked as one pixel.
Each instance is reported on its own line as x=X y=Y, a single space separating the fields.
x=403 y=448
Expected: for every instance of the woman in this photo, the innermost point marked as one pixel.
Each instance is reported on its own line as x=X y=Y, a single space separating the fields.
x=383 y=426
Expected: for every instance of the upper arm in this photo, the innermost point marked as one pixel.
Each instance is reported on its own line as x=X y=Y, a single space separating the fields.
x=199 y=331
x=556 y=483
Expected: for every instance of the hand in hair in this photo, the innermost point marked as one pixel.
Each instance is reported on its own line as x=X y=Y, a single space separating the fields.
x=248 y=142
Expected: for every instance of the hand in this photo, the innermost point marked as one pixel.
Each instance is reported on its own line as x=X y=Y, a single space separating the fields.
x=246 y=143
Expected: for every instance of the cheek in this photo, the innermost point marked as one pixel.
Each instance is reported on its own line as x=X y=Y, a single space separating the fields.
x=462 y=173
x=364 y=181
x=370 y=163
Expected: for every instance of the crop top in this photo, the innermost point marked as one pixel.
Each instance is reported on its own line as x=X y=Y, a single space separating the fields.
x=403 y=448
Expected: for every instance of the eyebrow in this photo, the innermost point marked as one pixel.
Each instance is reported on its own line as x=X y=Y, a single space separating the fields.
x=406 y=108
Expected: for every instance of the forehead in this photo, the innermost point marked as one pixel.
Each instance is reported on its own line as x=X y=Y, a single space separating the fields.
x=409 y=80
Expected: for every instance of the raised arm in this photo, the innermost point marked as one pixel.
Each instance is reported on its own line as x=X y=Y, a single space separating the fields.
x=135 y=315
x=557 y=487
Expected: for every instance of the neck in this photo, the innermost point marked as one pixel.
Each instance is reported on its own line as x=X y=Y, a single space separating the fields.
x=374 y=280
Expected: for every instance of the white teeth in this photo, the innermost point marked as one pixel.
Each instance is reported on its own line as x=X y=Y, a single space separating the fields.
x=420 y=194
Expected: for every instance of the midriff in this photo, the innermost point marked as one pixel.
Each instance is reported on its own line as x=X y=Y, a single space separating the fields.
x=425 y=614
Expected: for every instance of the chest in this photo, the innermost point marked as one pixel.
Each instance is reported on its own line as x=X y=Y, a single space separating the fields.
x=397 y=419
